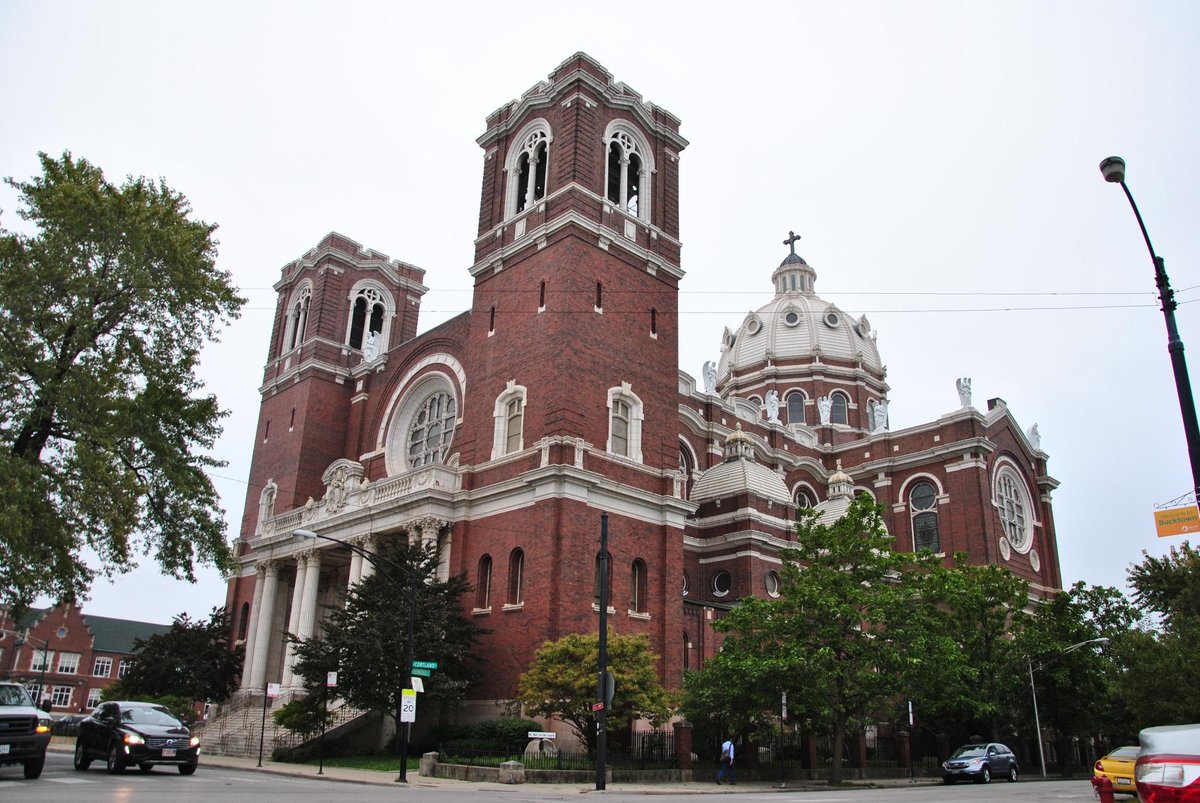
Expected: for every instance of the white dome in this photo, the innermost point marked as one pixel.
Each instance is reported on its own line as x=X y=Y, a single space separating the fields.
x=797 y=324
x=739 y=473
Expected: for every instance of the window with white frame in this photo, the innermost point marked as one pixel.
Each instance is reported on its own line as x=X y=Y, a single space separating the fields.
x=795 y=407
x=516 y=577
x=61 y=696
x=102 y=668
x=637 y=586
x=804 y=498
x=297 y=316
x=625 y=423
x=509 y=421
x=35 y=691
x=41 y=660
x=124 y=667
x=839 y=412
x=1012 y=501
x=371 y=313
x=527 y=167
x=628 y=169
x=68 y=663
x=94 y=697
x=922 y=508
x=483 y=584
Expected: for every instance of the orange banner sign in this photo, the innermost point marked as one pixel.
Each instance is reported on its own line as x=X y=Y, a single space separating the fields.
x=1177 y=521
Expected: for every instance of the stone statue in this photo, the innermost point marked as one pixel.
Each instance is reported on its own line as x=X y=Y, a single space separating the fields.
x=710 y=378
x=881 y=420
x=773 y=407
x=1035 y=437
x=825 y=406
x=371 y=347
x=964 y=390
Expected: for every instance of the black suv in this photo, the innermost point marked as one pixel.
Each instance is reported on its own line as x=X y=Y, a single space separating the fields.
x=980 y=762
x=24 y=730
x=124 y=734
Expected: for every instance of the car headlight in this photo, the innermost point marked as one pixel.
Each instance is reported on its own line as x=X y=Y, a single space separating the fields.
x=195 y=740
x=43 y=726
x=133 y=738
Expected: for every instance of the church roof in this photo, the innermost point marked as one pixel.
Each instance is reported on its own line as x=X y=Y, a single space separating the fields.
x=740 y=473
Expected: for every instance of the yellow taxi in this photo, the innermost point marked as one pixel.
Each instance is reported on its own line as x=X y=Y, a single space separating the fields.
x=1118 y=767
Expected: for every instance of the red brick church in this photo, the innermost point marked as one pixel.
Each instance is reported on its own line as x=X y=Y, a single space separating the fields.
x=504 y=433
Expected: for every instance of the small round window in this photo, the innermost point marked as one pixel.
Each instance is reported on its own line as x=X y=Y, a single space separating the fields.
x=832 y=319
x=772 y=583
x=61 y=632
x=791 y=318
x=923 y=496
x=722 y=583
x=687 y=583
x=753 y=325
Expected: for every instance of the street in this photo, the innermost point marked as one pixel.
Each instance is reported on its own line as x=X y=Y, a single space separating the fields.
x=60 y=782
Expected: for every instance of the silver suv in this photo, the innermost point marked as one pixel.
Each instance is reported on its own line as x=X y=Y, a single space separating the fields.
x=980 y=762
x=24 y=730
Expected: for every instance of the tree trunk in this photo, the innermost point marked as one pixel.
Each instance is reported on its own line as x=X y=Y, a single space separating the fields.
x=839 y=745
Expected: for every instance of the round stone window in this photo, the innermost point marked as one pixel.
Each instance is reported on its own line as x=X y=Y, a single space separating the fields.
x=722 y=583
x=687 y=583
x=771 y=581
x=754 y=325
x=791 y=317
x=431 y=430
x=832 y=319
x=1013 y=504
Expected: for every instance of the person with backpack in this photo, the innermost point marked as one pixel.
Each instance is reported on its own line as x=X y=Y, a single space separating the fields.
x=727 y=764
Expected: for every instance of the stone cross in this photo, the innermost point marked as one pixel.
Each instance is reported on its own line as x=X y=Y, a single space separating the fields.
x=791 y=241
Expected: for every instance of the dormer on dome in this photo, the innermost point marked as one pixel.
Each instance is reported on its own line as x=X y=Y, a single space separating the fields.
x=793 y=275
x=841 y=484
x=740 y=473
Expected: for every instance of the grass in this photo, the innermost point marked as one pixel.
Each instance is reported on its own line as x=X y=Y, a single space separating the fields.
x=374 y=761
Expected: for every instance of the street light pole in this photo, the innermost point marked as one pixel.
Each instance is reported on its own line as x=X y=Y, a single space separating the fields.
x=402 y=729
x=1037 y=723
x=601 y=693
x=23 y=639
x=1113 y=169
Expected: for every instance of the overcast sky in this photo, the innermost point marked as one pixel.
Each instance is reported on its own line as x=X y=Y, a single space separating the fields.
x=939 y=160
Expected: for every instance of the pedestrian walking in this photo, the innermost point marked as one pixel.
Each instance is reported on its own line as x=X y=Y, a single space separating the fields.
x=728 y=767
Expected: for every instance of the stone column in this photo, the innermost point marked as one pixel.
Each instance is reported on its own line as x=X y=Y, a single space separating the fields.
x=356 y=563
x=289 y=671
x=260 y=572
x=366 y=567
x=262 y=630
x=308 y=604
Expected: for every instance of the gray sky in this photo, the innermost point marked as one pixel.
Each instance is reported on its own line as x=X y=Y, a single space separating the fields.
x=938 y=158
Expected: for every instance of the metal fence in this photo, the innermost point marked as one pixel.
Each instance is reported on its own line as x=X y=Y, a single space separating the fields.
x=637 y=749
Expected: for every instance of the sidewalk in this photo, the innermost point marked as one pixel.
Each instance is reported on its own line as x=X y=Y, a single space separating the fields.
x=348 y=775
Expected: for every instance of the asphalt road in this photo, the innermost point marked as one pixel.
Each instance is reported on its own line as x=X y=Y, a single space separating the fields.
x=60 y=782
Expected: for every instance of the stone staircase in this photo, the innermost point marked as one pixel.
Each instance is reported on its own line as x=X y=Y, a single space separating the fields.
x=238 y=729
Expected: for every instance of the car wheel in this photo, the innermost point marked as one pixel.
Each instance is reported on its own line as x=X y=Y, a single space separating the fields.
x=116 y=763
x=187 y=769
x=985 y=776
x=1012 y=773
x=145 y=767
x=34 y=768
x=82 y=762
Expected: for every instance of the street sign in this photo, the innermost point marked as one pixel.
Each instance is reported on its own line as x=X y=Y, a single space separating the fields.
x=597 y=706
x=418 y=685
x=1177 y=521
x=331 y=680
x=424 y=673
x=542 y=735
x=408 y=705
x=425 y=665
x=272 y=690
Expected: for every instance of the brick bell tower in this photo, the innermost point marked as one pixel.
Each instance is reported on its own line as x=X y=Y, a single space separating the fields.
x=574 y=335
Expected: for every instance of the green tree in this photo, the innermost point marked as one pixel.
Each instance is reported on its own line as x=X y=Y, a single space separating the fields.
x=193 y=660
x=849 y=631
x=365 y=640
x=103 y=427
x=562 y=682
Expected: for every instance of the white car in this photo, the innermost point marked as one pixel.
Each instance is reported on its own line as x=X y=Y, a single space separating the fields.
x=1168 y=766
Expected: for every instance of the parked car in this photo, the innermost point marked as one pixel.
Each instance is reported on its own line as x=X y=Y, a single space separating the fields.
x=124 y=734
x=24 y=730
x=1168 y=764
x=980 y=762
x=1117 y=766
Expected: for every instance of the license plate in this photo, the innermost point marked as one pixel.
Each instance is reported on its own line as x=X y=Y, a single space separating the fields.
x=1123 y=781
x=3 y=749
x=169 y=752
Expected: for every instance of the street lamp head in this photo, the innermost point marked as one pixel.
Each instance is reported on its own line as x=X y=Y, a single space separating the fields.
x=1113 y=169
x=304 y=534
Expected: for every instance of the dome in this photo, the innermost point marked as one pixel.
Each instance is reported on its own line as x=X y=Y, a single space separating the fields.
x=740 y=473
x=797 y=324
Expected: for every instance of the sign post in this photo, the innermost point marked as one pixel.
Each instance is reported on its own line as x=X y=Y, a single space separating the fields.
x=330 y=683
x=408 y=705
x=272 y=692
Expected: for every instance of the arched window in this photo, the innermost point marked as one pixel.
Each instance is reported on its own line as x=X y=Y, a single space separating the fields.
x=804 y=498
x=509 y=419
x=596 y=581
x=516 y=574
x=528 y=167
x=370 y=313
x=628 y=168
x=244 y=622
x=483 y=583
x=599 y=297
x=795 y=407
x=687 y=649
x=624 y=423
x=297 y=317
x=687 y=467
x=541 y=296
x=637 y=586
x=432 y=430
x=922 y=508
x=653 y=322
x=839 y=412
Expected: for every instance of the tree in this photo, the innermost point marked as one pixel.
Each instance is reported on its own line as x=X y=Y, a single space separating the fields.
x=103 y=312
x=193 y=660
x=850 y=628
x=365 y=640
x=562 y=682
